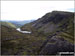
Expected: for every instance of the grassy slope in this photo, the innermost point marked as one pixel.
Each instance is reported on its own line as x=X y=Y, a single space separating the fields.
x=8 y=24
x=23 y=44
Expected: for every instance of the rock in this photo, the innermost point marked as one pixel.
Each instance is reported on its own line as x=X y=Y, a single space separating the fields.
x=56 y=45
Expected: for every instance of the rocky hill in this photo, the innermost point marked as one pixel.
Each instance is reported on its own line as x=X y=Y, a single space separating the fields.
x=58 y=24
x=53 y=21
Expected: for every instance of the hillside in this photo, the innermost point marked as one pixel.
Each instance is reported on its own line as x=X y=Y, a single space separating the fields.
x=14 y=42
x=7 y=24
x=53 y=21
x=50 y=34
x=54 y=25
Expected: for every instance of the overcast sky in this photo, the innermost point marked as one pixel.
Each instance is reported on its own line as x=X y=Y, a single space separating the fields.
x=29 y=10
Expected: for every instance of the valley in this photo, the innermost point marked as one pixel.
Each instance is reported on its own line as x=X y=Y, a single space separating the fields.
x=48 y=35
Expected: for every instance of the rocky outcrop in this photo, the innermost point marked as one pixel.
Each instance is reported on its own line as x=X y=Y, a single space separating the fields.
x=56 y=45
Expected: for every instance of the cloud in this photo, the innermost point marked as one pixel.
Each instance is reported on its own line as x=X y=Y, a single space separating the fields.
x=27 y=10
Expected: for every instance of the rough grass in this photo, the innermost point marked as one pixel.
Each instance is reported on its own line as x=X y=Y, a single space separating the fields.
x=68 y=37
x=10 y=25
x=29 y=42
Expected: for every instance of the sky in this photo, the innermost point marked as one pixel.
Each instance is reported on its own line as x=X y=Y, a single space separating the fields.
x=32 y=10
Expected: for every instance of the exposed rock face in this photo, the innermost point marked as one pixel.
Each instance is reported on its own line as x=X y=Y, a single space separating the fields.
x=56 y=45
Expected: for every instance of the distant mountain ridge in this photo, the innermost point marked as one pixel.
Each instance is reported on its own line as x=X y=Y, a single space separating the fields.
x=18 y=23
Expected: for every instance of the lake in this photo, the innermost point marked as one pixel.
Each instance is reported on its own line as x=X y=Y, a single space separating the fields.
x=18 y=29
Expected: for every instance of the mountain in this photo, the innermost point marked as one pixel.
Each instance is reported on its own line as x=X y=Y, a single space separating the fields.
x=8 y=24
x=51 y=34
x=58 y=27
x=52 y=21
